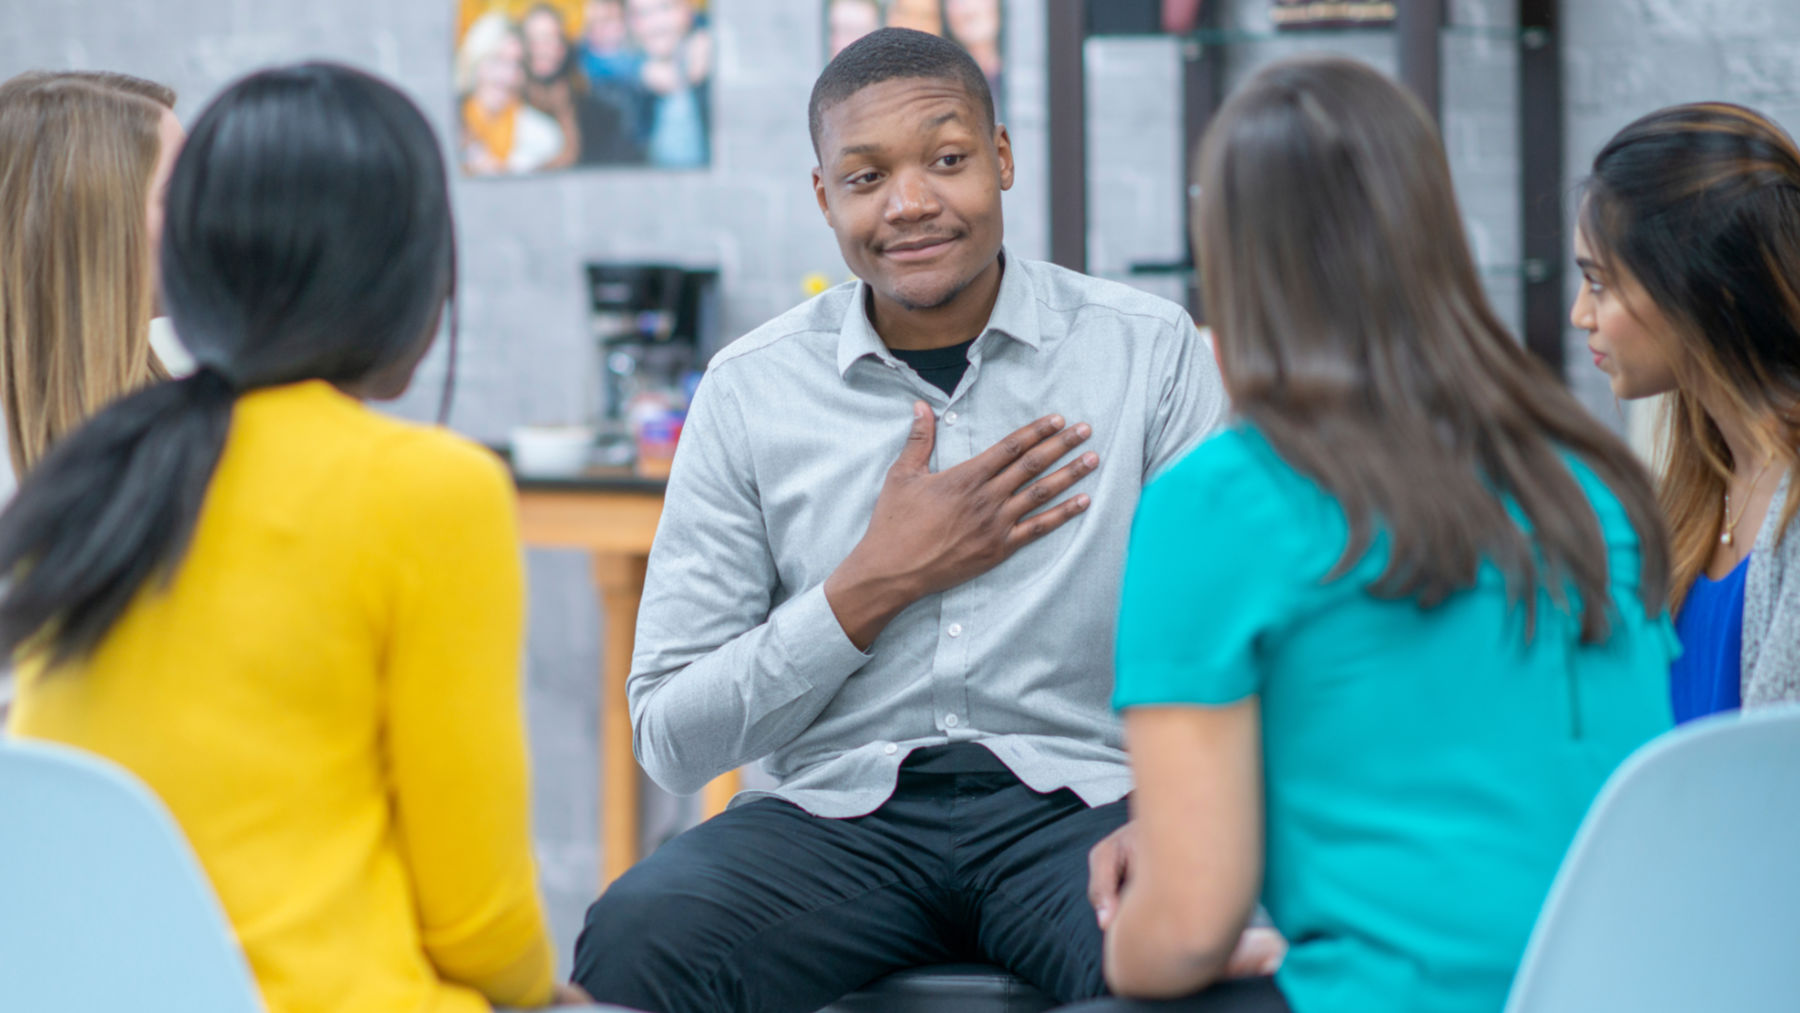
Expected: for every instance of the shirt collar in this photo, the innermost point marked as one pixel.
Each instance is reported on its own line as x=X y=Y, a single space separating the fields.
x=1015 y=315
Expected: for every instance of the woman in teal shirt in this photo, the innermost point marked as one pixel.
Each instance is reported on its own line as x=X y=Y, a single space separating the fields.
x=1384 y=637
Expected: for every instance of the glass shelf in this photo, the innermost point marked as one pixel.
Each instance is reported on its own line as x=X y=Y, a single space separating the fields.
x=1499 y=33
x=1214 y=37
x=1531 y=270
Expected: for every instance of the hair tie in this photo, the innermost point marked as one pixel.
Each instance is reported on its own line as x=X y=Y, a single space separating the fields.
x=211 y=379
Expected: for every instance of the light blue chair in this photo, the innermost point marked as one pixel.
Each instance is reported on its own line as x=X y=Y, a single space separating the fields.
x=1681 y=891
x=103 y=906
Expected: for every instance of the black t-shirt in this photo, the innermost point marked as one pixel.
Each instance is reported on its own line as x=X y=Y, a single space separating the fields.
x=943 y=368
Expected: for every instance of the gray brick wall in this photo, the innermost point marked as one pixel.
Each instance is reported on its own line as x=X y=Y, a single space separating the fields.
x=525 y=355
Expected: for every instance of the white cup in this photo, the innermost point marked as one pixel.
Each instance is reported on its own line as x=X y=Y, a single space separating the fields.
x=552 y=450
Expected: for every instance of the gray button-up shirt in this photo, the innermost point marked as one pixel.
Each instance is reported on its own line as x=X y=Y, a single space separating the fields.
x=740 y=658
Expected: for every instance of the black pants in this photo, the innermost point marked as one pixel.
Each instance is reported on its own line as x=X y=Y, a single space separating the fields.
x=768 y=909
x=1249 y=995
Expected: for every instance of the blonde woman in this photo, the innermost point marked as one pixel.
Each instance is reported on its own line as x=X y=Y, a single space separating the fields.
x=84 y=158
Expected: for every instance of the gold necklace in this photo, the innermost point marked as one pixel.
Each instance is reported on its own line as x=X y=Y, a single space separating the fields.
x=1730 y=524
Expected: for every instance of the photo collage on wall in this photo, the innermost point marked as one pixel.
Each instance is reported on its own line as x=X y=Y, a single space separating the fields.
x=545 y=85
x=976 y=25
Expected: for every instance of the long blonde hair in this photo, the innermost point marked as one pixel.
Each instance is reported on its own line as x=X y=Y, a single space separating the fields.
x=77 y=154
x=1701 y=204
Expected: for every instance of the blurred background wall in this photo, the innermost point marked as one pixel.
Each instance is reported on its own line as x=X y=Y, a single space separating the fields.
x=526 y=355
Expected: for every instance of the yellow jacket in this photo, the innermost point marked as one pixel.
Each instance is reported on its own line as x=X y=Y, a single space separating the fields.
x=327 y=698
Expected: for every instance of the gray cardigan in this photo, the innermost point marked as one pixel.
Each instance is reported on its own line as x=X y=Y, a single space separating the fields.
x=1771 y=658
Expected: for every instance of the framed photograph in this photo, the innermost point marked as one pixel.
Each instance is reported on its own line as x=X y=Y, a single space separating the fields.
x=976 y=25
x=1332 y=13
x=546 y=85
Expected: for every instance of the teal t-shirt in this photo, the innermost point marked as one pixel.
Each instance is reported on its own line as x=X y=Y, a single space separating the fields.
x=1424 y=770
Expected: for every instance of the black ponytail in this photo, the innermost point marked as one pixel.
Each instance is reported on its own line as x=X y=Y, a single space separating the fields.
x=307 y=236
x=113 y=505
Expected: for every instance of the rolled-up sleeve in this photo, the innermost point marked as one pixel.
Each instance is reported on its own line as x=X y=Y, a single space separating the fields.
x=723 y=675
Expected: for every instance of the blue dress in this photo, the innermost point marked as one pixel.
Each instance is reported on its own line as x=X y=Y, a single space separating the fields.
x=1706 y=678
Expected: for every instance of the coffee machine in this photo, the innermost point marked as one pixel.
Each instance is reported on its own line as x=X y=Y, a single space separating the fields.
x=653 y=326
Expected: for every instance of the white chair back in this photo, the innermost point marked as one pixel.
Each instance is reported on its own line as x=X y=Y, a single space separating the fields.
x=1681 y=891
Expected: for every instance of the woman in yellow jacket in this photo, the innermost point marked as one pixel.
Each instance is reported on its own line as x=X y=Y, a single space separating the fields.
x=298 y=620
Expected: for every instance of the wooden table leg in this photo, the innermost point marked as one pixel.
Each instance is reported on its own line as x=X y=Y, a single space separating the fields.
x=717 y=792
x=620 y=579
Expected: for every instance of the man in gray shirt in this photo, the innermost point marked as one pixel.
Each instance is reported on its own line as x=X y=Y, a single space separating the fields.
x=877 y=574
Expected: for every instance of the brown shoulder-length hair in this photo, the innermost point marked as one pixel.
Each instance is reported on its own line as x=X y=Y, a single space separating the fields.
x=1353 y=332
x=77 y=153
x=1701 y=205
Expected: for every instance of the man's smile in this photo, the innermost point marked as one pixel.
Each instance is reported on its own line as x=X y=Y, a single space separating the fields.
x=917 y=249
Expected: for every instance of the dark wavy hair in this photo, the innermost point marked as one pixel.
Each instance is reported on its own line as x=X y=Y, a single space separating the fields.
x=1700 y=204
x=1353 y=332
x=307 y=236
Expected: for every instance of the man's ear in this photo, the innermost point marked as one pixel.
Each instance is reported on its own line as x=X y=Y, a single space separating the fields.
x=1003 y=150
x=818 y=177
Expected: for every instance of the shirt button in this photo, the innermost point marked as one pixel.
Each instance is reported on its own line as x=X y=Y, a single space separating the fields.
x=949 y=418
x=890 y=749
x=949 y=721
x=955 y=629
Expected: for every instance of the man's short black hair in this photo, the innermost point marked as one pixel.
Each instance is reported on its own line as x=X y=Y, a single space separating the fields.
x=887 y=54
